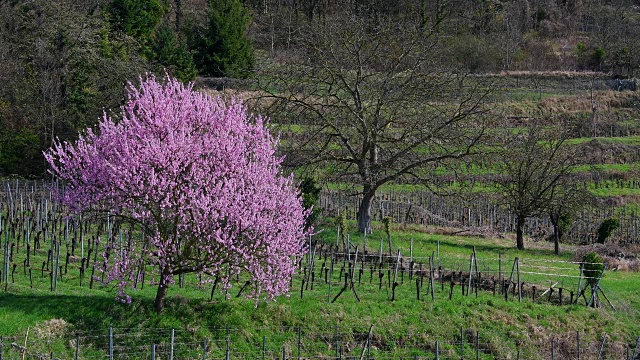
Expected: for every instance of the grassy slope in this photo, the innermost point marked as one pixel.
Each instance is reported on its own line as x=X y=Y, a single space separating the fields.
x=405 y=320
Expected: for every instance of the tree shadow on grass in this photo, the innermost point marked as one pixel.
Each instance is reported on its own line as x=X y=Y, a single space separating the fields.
x=97 y=313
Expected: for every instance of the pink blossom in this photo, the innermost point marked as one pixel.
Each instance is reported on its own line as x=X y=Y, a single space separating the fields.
x=200 y=177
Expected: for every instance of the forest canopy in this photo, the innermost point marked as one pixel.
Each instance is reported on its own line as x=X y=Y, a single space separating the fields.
x=65 y=62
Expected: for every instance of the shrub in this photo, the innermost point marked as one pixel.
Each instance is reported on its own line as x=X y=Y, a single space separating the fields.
x=310 y=195
x=593 y=266
x=607 y=227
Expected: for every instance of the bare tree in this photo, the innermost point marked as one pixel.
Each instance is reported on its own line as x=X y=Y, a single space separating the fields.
x=535 y=167
x=373 y=103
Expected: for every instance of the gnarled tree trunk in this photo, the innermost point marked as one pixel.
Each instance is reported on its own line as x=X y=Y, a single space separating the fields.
x=364 y=212
x=161 y=294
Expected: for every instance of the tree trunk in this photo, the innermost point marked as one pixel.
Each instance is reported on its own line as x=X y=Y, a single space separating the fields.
x=519 y=235
x=161 y=294
x=556 y=239
x=364 y=212
x=557 y=232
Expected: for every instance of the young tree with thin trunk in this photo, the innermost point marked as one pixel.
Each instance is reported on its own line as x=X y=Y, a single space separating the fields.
x=200 y=178
x=566 y=200
x=375 y=105
x=534 y=165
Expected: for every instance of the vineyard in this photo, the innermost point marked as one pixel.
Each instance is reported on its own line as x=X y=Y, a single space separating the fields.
x=353 y=180
x=48 y=251
x=482 y=214
x=438 y=277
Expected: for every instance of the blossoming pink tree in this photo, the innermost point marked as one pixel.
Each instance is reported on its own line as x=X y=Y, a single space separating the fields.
x=200 y=178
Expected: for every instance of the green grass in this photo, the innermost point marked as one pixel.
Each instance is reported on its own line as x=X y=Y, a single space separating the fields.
x=408 y=188
x=608 y=168
x=624 y=140
x=606 y=188
x=406 y=326
x=524 y=96
x=612 y=188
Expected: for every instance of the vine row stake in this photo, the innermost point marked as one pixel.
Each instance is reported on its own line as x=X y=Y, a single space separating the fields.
x=604 y=340
x=77 y=347
x=226 y=352
x=204 y=349
x=461 y=343
x=578 y=338
x=173 y=333
x=635 y=351
x=110 y=343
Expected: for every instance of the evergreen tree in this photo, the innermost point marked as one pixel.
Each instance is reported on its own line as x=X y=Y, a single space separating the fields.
x=168 y=51
x=225 y=49
x=137 y=18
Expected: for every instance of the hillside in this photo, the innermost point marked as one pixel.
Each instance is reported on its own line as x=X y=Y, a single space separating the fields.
x=410 y=319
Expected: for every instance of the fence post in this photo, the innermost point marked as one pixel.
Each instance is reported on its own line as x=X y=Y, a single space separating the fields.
x=578 y=343
x=579 y=283
x=330 y=278
x=337 y=343
x=204 y=349
x=153 y=351
x=77 y=347
x=173 y=334
x=110 y=343
x=553 y=350
x=264 y=347
x=5 y=272
x=470 y=273
x=461 y=343
x=437 y=350
x=519 y=283
x=594 y=293
x=366 y=346
x=432 y=283
x=369 y=343
x=299 y=341
x=604 y=339
x=226 y=351
x=438 y=254
x=500 y=272
x=477 y=345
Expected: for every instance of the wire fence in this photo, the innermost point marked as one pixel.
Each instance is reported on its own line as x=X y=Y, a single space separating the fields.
x=33 y=227
x=337 y=342
x=31 y=221
x=481 y=214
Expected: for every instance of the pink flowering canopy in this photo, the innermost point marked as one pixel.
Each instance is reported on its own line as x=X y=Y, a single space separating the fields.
x=200 y=177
